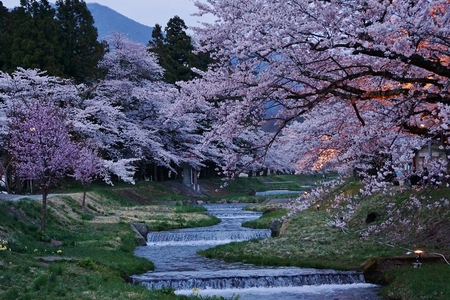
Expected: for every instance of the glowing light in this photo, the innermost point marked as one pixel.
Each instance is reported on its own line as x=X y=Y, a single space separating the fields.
x=418 y=263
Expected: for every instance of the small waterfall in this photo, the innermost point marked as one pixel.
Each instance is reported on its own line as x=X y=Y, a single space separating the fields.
x=204 y=237
x=277 y=192
x=229 y=230
x=220 y=281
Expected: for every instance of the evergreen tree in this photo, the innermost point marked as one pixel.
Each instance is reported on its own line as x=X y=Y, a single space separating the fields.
x=179 y=49
x=157 y=41
x=5 y=37
x=174 y=49
x=78 y=39
x=35 y=37
x=158 y=46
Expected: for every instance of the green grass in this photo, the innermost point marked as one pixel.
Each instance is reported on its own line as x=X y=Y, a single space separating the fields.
x=268 y=215
x=428 y=282
x=243 y=189
x=179 y=208
x=151 y=191
x=261 y=183
x=162 y=222
x=27 y=278
x=93 y=260
x=180 y=222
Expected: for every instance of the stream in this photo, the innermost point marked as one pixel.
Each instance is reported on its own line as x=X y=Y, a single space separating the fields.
x=179 y=267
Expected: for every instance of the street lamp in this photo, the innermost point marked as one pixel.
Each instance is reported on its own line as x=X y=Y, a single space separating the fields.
x=418 y=263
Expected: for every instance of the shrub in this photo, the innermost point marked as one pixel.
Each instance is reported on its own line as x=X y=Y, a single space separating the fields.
x=88 y=263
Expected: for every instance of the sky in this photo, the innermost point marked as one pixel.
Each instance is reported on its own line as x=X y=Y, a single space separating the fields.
x=147 y=12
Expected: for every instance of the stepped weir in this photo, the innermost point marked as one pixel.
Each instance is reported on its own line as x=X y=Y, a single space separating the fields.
x=179 y=267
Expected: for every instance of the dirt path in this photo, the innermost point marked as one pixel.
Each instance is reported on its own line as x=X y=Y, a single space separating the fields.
x=14 y=197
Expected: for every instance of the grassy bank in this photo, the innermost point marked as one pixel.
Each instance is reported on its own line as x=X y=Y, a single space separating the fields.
x=83 y=254
x=244 y=188
x=305 y=242
x=269 y=213
x=428 y=282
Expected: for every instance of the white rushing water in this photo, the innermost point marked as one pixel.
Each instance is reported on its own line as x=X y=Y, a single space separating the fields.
x=356 y=291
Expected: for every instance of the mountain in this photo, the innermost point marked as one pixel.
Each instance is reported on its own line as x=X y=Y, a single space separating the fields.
x=108 y=20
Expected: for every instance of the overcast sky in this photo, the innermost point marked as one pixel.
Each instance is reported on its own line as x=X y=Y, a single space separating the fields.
x=147 y=12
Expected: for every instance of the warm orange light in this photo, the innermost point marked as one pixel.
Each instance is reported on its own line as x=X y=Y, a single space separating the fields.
x=408 y=86
x=325 y=156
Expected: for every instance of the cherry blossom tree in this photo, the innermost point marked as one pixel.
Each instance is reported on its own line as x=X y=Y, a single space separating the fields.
x=24 y=86
x=41 y=147
x=368 y=76
x=128 y=116
x=330 y=137
x=87 y=167
x=130 y=113
x=18 y=93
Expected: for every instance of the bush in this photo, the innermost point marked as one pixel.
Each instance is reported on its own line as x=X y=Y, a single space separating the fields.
x=88 y=263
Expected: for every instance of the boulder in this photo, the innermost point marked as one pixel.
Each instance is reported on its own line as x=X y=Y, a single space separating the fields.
x=275 y=227
x=141 y=231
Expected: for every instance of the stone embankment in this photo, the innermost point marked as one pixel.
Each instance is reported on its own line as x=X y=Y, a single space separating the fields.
x=141 y=232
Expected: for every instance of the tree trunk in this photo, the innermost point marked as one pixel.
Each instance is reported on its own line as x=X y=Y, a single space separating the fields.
x=44 y=210
x=155 y=172
x=84 y=197
x=7 y=179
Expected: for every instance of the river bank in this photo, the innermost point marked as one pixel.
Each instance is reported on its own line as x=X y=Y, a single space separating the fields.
x=102 y=242
x=343 y=230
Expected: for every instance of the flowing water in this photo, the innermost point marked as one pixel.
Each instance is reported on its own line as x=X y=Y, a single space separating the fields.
x=178 y=266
